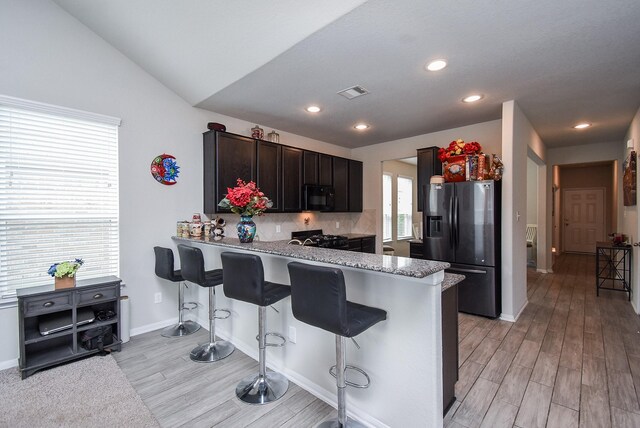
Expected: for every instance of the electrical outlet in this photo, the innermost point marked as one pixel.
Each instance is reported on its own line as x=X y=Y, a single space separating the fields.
x=292 y=334
x=277 y=228
x=337 y=225
x=157 y=298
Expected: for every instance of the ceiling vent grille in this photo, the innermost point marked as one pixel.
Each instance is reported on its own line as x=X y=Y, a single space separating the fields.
x=353 y=92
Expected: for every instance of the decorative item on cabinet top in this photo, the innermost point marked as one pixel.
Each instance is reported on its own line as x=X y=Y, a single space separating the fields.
x=214 y=126
x=257 y=132
x=465 y=162
x=273 y=136
x=164 y=169
x=65 y=273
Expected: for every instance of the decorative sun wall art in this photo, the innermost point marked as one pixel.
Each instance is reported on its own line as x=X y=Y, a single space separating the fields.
x=164 y=169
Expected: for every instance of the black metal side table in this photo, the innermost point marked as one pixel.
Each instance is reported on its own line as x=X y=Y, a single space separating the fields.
x=613 y=267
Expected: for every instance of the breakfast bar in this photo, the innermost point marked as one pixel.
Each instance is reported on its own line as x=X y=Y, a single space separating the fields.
x=403 y=355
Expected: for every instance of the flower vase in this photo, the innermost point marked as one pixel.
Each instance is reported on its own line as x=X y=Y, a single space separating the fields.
x=246 y=229
x=65 y=282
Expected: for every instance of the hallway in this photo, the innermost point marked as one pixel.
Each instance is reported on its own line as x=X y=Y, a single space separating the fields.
x=571 y=360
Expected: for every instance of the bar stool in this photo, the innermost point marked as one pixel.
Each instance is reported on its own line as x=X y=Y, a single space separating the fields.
x=164 y=269
x=244 y=280
x=318 y=298
x=192 y=263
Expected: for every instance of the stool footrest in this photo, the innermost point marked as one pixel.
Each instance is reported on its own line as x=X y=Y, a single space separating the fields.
x=332 y=372
x=189 y=306
x=275 y=345
x=227 y=311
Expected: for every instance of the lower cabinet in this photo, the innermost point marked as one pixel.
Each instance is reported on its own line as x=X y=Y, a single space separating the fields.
x=366 y=244
x=449 y=346
x=52 y=322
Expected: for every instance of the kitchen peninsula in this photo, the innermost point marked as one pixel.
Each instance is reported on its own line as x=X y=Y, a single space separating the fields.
x=403 y=356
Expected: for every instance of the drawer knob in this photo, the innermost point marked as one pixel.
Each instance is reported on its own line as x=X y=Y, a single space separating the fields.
x=47 y=304
x=97 y=296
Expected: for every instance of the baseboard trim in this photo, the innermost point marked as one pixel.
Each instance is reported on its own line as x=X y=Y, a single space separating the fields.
x=151 y=327
x=8 y=364
x=505 y=317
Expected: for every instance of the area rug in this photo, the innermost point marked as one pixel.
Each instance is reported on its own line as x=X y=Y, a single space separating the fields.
x=93 y=392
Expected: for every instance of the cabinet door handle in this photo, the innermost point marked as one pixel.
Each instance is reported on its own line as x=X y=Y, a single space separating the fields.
x=47 y=304
x=97 y=296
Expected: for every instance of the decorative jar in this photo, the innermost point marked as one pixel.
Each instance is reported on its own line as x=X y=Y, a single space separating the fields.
x=454 y=169
x=246 y=229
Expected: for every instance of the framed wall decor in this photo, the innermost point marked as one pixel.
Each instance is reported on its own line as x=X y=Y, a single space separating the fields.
x=629 y=180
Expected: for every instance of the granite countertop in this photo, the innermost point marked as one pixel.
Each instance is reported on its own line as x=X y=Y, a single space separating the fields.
x=403 y=266
x=451 y=279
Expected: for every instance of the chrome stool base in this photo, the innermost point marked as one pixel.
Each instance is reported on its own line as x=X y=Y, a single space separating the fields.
x=256 y=389
x=180 y=330
x=210 y=352
x=334 y=423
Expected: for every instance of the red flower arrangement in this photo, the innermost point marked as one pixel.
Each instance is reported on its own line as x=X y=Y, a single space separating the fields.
x=245 y=199
x=457 y=148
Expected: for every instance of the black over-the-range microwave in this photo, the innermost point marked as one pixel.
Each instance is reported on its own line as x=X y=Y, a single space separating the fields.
x=318 y=198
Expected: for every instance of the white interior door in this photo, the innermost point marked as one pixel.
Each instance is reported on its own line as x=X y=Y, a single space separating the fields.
x=583 y=219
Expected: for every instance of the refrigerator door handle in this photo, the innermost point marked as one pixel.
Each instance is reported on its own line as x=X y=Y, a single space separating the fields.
x=456 y=238
x=451 y=228
x=484 y=272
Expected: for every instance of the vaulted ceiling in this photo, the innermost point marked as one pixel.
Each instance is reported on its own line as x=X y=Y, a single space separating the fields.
x=563 y=62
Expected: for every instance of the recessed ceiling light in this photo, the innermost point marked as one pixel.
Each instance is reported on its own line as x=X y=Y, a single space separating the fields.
x=361 y=126
x=436 y=65
x=582 y=125
x=472 y=98
x=313 y=109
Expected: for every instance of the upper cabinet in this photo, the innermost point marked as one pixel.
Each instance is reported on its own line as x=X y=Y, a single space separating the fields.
x=279 y=171
x=428 y=165
x=227 y=157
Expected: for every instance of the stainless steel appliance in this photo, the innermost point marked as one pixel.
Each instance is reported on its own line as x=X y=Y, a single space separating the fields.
x=318 y=198
x=315 y=238
x=462 y=227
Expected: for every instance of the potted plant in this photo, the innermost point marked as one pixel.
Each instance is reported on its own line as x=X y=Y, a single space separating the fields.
x=247 y=200
x=65 y=273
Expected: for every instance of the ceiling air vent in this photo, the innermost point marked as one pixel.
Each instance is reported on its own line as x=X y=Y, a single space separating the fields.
x=353 y=92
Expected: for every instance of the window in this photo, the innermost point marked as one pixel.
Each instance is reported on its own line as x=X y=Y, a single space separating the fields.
x=405 y=207
x=58 y=192
x=386 y=207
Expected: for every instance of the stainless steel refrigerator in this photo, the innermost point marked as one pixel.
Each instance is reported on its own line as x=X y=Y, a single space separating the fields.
x=462 y=227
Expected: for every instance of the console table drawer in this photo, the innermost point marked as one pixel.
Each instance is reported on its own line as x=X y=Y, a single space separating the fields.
x=43 y=305
x=96 y=295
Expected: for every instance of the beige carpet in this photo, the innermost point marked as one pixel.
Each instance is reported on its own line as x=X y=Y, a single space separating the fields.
x=93 y=392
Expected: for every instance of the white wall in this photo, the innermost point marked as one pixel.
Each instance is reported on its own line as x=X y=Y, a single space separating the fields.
x=532 y=192
x=516 y=135
x=48 y=56
x=629 y=222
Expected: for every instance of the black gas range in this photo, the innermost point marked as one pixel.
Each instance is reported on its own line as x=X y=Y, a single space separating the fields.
x=315 y=238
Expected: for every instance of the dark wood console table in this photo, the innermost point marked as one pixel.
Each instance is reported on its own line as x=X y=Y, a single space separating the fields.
x=613 y=267
x=35 y=304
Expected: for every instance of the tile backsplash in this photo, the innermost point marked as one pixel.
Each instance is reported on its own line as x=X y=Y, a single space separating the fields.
x=331 y=223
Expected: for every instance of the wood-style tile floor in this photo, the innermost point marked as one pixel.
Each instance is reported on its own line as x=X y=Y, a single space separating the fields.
x=571 y=360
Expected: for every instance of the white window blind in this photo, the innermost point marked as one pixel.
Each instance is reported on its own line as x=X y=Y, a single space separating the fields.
x=405 y=207
x=386 y=207
x=58 y=192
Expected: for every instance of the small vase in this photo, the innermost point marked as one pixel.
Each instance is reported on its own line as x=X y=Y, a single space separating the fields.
x=65 y=282
x=246 y=229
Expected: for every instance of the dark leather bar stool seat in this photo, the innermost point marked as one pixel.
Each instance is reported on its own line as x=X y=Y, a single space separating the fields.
x=244 y=280
x=318 y=298
x=165 y=270
x=192 y=263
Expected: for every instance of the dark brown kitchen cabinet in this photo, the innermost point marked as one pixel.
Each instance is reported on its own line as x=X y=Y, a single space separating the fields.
x=325 y=170
x=341 y=184
x=428 y=165
x=355 y=186
x=269 y=161
x=227 y=157
x=291 y=179
x=310 y=167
